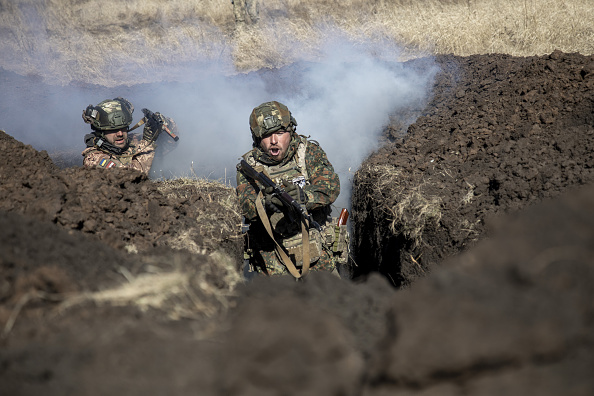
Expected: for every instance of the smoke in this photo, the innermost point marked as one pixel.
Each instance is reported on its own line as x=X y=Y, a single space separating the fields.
x=343 y=100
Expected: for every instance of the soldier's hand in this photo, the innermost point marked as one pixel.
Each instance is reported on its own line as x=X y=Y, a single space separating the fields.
x=152 y=128
x=150 y=133
x=295 y=192
x=271 y=201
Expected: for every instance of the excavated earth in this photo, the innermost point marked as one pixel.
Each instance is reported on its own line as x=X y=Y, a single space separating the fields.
x=473 y=244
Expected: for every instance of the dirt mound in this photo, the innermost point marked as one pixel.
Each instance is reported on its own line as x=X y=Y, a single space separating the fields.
x=123 y=208
x=484 y=323
x=499 y=134
x=116 y=247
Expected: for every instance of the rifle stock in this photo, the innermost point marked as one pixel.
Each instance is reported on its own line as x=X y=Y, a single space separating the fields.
x=285 y=198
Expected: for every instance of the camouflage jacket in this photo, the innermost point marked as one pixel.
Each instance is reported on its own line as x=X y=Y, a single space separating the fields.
x=139 y=156
x=323 y=187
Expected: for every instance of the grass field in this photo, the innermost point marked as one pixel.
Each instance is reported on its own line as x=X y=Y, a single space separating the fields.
x=102 y=41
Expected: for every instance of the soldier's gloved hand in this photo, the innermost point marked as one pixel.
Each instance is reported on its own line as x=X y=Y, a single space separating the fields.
x=152 y=129
x=149 y=133
x=295 y=192
x=271 y=201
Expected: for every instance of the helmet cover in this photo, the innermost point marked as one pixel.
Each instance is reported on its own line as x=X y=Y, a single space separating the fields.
x=111 y=114
x=270 y=117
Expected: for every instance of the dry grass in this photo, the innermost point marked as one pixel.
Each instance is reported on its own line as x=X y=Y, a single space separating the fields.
x=220 y=218
x=409 y=210
x=113 y=42
x=181 y=293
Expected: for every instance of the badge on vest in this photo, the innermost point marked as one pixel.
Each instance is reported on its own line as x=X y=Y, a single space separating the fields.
x=105 y=163
x=300 y=181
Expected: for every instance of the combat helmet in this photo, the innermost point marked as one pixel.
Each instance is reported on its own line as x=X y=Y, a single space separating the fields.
x=111 y=114
x=270 y=117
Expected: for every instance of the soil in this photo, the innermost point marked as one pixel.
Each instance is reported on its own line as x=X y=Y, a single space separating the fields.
x=478 y=284
x=499 y=134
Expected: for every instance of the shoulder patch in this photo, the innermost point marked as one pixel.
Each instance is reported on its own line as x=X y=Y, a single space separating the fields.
x=106 y=163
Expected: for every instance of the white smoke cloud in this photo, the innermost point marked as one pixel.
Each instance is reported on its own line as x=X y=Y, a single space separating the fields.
x=343 y=100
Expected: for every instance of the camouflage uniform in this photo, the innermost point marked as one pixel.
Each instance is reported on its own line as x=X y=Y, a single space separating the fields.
x=321 y=185
x=139 y=155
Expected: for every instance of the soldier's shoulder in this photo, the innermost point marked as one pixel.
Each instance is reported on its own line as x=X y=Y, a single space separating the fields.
x=314 y=148
x=93 y=152
x=249 y=157
x=88 y=151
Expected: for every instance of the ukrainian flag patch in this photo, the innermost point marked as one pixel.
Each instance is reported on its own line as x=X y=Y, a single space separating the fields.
x=106 y=163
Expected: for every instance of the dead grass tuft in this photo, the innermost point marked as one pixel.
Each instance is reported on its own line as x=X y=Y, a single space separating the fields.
x=201 y=291
x=410 y=210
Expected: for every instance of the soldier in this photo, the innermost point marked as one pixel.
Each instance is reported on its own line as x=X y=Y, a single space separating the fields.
x=241 y=8
x=111 y=145
x=277 y=241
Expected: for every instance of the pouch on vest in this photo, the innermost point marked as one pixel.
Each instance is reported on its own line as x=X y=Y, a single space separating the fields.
x=337 y=241
x=294 y=248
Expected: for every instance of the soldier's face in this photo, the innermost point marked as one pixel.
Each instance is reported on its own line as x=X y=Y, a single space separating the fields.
x=118 y=138
x=276 y=144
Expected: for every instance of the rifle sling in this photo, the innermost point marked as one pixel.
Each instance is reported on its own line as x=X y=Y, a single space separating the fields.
x=279 y=250
x=139 y=123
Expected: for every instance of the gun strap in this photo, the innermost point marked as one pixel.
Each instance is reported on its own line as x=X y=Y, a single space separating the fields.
x=139 y=123
x=279 y=250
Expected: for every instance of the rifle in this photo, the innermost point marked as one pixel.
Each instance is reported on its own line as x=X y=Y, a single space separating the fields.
x=157 y=123
x=285 y=198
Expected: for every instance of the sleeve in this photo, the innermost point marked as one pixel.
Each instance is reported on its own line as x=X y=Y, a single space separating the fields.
x=324 y=184
x=143 y=157
x=165 y=143
x=247 y=193
x=95 y=158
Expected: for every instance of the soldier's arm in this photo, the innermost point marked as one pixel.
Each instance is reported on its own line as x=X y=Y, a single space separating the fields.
x=247 y=195
x=96 y=158
x=144 y=155
x=324 y=182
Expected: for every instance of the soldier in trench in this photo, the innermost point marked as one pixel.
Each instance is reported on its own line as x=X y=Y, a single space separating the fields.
x=275 y=242
x=111 y=143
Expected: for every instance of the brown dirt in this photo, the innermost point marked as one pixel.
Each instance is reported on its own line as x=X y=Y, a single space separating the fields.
x=499 y=134
x=113 y=283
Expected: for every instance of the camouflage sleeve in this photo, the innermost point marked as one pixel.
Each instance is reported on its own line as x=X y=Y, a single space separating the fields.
x=143 y=157
x=324 y=184
x=93 y=157
x=247 y=192
x=165 y=143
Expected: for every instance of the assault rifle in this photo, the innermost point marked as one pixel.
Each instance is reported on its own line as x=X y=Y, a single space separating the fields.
x=284 y=197
x=156 y=123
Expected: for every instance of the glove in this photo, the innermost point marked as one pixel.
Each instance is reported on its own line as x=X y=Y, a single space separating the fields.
x=151 y=130
x=271 y=201
x=295 y=192
x=149 y=134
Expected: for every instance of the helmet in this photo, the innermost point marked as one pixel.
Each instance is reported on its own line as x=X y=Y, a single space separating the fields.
x=270 y=117
x=109 y=114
